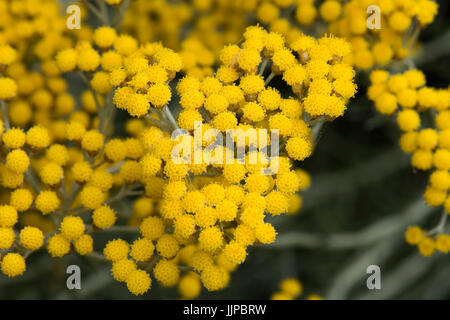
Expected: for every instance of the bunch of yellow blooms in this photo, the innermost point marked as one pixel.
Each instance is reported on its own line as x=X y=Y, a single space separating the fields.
x=406 y=96
x=399 y=24
x=66 y=171
x=208 y=213
x=208 y=26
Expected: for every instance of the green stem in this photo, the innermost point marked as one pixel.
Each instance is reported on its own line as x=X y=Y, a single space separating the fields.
x=123 y=229
x=104 y=11
x=31 y=178
x=316 y=131
x=170 y=117
x=97 y=256
x=124 y=192
x=4 y=109
x=96 y=12
x=441 y=225
x=120 y=14
x=152 y=263
x=269 y=78
x=263 y=67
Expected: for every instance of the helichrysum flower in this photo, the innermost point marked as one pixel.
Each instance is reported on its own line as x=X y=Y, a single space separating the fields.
x=122 y=269
x=189 y=286
x=182 y=219
x=51 y=173
x=31 y=238
x=67 y=59
x=104 y=37
x=92 y=197
x=17 y=161
x=167 y=246
x=235 y=252
x=58 y=246
x=104 y=217
x=152 y=228
x=84 y=244
x=138 y=282
x=72 y=227
x=14 y=138
x=88 y=59
x=47 y=201
x=116 y=250
x=214 y=278
x=21 y=199
x=8 y=216
x=167 y=273
x=7 y=237
x=13 y=264
x=38 y=137
x=92 y=141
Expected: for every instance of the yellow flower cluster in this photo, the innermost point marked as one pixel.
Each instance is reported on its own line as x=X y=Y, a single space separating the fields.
x=215 y=218
x=373 y=45
x=200 y=44
x=291 y=289
x=209 y=25
x=64 y=170
x=378 y=45
x=406 y=96
x=141 y=73
x=426 y=243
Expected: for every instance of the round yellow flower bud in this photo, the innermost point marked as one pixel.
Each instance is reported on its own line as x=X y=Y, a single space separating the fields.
x=31 y=238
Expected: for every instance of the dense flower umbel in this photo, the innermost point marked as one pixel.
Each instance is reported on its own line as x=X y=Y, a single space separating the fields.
x=209 y=28
x=373 y=45
x=66 y=172
x=206 y=223
x=407 y=97
x=381 y=44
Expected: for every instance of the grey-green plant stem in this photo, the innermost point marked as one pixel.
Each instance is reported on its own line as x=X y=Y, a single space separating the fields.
x=4 y=109
x=124 y=192
x=169 y=115
x=31 y=178
x=122 y=229
x=441 y=225
x=120 y=14
x=105 y=113
x=269 y=78
x=99 y=164
x=97 y=256
x=154 y=121
x=263 y=67
x=152 y=263
x=96 y=12
x=115 y=167
x=97 y=102
x=316 y=131
x=104 y=11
